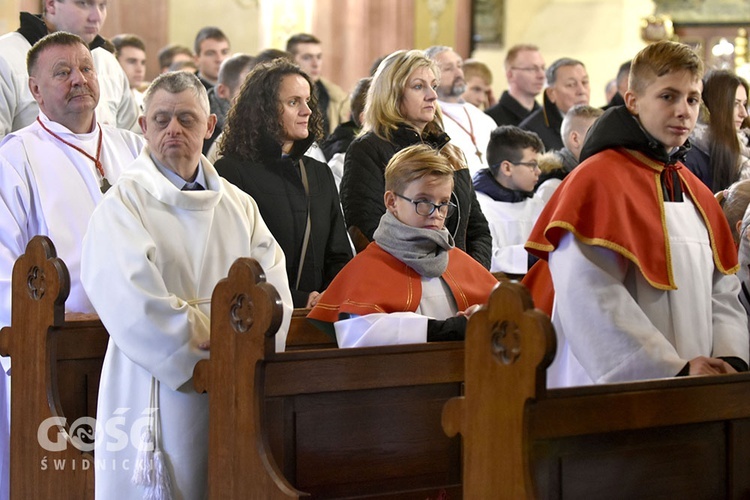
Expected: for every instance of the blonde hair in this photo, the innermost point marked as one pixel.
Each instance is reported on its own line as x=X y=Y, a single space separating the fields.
x=734 y=202
x=473 y=68
x=383 y=108
x=660 y=58
x=414 y=163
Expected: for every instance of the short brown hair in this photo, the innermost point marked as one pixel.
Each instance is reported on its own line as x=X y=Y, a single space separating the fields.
x=58 y=38
x=127 y=40
x=414 y=163
x=472 y=68
x=510 y=57
x=294 y=40
x=660 y=58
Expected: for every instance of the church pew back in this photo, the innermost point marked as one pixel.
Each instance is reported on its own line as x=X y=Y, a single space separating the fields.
x=338 y=422
x=676 y=438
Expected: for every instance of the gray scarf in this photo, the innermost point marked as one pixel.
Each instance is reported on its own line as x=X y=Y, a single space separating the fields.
x=424 y=250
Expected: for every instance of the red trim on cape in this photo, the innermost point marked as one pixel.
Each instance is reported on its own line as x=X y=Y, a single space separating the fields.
x=623 y=189
x=374 y=281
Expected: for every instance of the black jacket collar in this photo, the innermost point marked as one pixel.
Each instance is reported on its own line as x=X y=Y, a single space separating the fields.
x=34 y=29
x=618 y=128
x=485 y=183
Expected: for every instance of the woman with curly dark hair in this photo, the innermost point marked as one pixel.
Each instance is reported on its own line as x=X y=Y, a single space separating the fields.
x=273 y=122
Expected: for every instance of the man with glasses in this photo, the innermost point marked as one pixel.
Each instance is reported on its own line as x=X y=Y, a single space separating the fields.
x=505 y=192
x=524 y=69
x=411 y=284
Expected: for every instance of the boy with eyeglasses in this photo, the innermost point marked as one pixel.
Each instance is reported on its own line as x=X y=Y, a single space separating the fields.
x=505 y=192
x=411 y=284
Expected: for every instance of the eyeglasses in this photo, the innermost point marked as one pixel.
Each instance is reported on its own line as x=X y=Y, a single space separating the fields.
x=531 y=164
x=530 y=69
x=426 y=208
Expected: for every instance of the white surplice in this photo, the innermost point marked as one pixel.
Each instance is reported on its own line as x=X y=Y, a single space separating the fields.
x=461 y=118
x=612 y=326
x=510 y=226
x=51 y=189
x=18 y=109
x=151 y=259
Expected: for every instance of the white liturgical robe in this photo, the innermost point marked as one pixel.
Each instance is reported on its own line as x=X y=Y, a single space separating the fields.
x=151 y=259
x=613 y=326
x=18 y=109
x=461 y=121
x=51 y=189
x=510 y=226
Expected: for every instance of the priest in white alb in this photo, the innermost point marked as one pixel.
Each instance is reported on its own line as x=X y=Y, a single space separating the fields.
x=52 y=175
x=468 y=126
x=161 y=239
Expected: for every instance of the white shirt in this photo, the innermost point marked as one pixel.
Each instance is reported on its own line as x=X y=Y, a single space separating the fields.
x=459 y=119
x=18 y=109
x=151 y=259
x=613 y=326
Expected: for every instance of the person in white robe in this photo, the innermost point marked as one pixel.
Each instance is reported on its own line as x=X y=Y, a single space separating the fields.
x=468 y=126
x=18 y=108
x=49 y=187
x=641 y=257
x=156 y=246
x=505 y=193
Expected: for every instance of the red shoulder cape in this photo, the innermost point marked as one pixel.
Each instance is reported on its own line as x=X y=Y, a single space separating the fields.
x=614 y=200
x=374 y=281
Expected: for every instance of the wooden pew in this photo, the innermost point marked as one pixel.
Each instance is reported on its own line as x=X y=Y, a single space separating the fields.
x=338 y=422
x=676 y=438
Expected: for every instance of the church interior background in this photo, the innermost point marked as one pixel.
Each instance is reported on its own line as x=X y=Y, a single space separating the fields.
x=601 y=33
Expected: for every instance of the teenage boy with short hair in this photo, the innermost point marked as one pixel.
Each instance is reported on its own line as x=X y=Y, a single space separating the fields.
x=505 y=192
x=640 y=254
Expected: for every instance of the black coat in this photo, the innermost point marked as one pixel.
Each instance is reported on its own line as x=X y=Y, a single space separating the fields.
x=546 y=122
x=275 y=184
x=363 y=187
x=508 y=111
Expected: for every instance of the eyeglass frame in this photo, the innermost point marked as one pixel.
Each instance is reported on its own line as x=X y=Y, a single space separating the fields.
x=533 y=165
x=535 y=69
x=448 y=204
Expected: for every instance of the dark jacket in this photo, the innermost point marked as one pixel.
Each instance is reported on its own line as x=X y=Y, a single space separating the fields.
x=363 y=186
x=340 y=139
x=546 y=122
x=508 y=111
x=275 y=184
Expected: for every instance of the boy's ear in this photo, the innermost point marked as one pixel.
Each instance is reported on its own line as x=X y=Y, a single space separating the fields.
x=389 y=198
x=505 y=168
x=631 y=102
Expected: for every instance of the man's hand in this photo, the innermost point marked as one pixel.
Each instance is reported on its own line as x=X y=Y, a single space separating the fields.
x=709 y=366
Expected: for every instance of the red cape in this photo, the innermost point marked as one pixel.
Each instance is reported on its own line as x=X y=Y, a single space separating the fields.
x=374 y=281
x=614 y=200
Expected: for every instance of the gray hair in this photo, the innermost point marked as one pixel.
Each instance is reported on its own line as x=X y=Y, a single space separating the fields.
x=551 y=73
x=174 y=83
x=432 y=52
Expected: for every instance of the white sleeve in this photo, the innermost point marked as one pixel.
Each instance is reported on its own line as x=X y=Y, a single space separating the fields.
x=153 y=327
x=15 y=207
x=336 y=164
x=729 y=319
x=606 y=329
x=381 y=329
